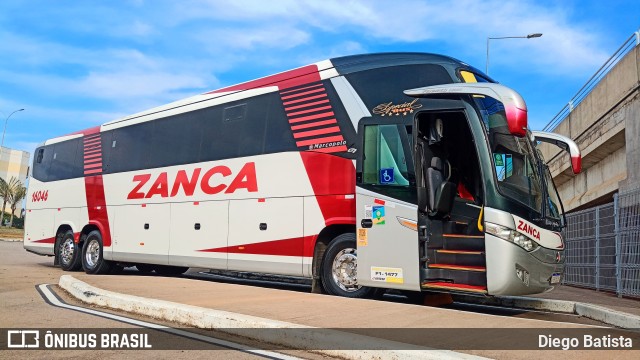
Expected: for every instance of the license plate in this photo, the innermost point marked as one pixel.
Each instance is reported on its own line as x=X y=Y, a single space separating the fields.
x=555 y=278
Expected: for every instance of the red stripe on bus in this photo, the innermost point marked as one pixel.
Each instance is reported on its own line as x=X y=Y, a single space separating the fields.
x=51 y=240
x=313 y=124
x=95 y=155
x=329 y=130
x=97 y=206
x=91 y=152
x=310 y=110
x=319 y=140
x=315 y=103
x=301 y=88
x=332 y=177
x=94 y=171
x=285 y=247
x=288 y=79
x=91 y=166
x=305 y=99
x=311 y=117
x=314 y=91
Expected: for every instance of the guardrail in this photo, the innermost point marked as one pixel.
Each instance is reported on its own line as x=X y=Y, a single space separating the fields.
x=630 y=43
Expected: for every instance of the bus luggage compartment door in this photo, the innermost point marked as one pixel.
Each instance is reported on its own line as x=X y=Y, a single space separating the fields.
x=387 y=242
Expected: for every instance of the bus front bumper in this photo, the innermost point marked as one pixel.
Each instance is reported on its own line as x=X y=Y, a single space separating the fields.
x=511 y=270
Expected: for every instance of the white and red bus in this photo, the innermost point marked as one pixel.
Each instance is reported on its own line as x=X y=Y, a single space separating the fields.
x=400 y=171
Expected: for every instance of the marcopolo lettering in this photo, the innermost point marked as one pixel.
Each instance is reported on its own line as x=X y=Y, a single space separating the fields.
x=528 y=229
x=211 y=182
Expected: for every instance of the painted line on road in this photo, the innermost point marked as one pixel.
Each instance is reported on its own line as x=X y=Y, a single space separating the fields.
x=53 y=299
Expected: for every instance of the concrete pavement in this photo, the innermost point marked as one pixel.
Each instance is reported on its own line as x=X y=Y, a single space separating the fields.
x=322 y=311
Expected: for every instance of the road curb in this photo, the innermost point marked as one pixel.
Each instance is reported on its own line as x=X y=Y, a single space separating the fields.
x=11 y=240
x=307 y=338
x=595 y=312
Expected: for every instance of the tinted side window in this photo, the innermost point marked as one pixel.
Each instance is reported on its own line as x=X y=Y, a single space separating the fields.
x=131 y=148
x=65 y=161
x=176 y=140
x=41 y=162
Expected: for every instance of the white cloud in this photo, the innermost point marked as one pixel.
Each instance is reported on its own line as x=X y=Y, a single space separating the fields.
x=566 y=44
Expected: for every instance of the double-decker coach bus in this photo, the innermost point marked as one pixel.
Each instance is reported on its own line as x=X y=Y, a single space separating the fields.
x=404 y=171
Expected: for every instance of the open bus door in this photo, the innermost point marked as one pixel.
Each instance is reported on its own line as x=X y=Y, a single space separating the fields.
x=387 y=240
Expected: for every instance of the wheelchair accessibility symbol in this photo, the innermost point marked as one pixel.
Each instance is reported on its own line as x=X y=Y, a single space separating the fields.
x=386 y=176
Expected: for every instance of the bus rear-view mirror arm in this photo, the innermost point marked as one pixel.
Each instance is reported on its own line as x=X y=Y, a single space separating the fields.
x=514 y=106
x=565 y=144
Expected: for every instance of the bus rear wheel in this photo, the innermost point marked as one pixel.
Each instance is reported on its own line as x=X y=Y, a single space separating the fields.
x=93 y=261
x=69 y=252
x=340 y=269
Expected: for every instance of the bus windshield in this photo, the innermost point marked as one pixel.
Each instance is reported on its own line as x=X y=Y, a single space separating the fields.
x=514 y=161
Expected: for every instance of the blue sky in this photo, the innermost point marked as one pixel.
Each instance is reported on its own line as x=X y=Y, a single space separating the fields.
x=77 y=64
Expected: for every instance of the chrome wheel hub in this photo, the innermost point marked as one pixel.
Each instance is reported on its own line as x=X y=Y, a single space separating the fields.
x=345 y=270
x=93 y=253
x=66 y=251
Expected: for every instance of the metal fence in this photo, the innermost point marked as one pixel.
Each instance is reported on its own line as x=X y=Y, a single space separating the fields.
x=603 y=246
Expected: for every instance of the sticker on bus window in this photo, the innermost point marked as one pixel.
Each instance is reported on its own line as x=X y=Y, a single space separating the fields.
x=386 y=176
x=378 y=215
x=504 y=165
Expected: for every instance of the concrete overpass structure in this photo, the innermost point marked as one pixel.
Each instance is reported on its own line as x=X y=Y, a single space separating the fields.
x=604 y=120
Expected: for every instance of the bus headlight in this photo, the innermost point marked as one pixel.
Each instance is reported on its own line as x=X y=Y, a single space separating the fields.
x=511 y=235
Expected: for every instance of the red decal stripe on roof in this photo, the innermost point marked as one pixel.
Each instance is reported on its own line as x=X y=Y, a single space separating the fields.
x=284 y=80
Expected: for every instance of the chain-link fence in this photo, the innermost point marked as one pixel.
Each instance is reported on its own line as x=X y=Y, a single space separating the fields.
x=603 y=246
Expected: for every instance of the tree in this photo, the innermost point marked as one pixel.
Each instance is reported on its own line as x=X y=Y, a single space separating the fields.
x=7 y=189
x=17 y=197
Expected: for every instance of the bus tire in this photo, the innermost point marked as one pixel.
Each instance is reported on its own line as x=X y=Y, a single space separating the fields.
x=93 y=261
x=69 y=252
x=170 y=270
x=339 y=268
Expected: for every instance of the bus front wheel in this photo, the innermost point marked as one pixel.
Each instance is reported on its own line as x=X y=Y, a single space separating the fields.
x=340 y=268
x=93 y=261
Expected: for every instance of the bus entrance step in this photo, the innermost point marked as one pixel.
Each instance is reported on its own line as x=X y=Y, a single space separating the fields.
x=458 y=267
x=454 y=287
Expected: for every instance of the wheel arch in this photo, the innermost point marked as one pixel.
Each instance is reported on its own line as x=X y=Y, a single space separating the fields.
x=322 y=242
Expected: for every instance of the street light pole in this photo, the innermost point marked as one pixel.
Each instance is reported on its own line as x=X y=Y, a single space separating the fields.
x=5 y=127
x=530 y=36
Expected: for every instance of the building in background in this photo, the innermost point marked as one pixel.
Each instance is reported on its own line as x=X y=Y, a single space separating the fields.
x=14 y=163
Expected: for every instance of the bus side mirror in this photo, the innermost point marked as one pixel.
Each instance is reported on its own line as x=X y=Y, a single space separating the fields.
x=514 y=106
x=565 y=144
